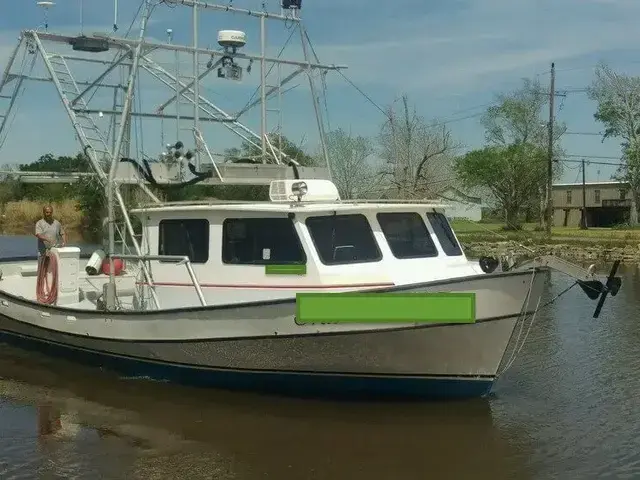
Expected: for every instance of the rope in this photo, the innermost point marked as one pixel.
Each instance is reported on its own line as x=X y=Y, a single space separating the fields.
x=518 y=345
x=47 y=294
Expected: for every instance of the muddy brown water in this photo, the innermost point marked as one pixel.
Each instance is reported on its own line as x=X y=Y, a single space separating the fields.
x=567 y=408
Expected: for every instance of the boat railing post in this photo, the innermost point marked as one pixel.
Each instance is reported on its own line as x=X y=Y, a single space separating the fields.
x=171 y=258
x=196 y=284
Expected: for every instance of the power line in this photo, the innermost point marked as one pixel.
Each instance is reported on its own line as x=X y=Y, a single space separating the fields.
x=594 y=163
x=591 y=156
x=595 y=134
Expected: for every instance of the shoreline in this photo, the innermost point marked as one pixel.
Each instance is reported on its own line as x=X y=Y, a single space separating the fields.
x=569 y=251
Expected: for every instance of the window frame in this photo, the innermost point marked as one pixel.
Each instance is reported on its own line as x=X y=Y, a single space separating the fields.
x=261 y=262
x=435 y=254
x=166 y=221
x=458 y=246
x=379 y=256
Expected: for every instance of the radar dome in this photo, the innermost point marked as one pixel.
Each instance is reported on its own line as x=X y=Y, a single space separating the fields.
x=232 y=38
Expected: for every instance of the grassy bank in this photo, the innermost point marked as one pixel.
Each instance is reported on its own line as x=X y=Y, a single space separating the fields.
x=19 y=218
x=593 y=244
x=470 y=232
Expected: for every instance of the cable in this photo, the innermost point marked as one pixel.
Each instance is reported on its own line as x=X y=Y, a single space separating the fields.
x=594 y=163
x=594 y=134
x=363 y=94
x=45 y=293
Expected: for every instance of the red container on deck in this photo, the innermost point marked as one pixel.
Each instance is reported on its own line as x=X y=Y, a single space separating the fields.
x=118 y=266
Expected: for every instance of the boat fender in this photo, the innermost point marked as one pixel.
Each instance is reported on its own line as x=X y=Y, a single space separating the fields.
x=118 y=266
x=488 y=264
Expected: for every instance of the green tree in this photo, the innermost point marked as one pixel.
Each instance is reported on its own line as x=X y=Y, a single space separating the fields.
x=511 y=173
x=517 y=139
x=249 y=153
x=519 y=118
x=618 y=98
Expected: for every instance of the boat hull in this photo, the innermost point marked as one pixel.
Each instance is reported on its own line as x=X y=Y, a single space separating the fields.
x=422 y=362
x=289 y=383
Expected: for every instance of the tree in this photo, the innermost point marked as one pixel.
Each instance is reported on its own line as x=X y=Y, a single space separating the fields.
x=516 y=126
x=351 y=168
x=418 y=157
x=618 y=99
x=249 y=153
x=511 y=173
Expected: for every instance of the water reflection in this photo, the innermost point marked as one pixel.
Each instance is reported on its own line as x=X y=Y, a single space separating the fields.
x=159 y=428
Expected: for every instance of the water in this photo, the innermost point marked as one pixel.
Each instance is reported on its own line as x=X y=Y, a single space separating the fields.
x=566 y=409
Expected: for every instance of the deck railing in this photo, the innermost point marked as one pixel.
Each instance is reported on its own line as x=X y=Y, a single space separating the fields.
x=184 y=260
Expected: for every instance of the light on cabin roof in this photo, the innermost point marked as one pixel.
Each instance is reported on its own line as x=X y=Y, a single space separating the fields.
x=299 y=189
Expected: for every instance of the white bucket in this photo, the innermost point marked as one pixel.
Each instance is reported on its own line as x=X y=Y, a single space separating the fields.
x=94 y=265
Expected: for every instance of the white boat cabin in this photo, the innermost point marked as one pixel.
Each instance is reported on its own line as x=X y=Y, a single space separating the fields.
x=243 y=252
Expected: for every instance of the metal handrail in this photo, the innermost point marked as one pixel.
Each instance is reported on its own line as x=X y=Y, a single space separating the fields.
x=170 y=258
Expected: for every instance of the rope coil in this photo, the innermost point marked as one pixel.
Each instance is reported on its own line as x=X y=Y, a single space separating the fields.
x=47 y=293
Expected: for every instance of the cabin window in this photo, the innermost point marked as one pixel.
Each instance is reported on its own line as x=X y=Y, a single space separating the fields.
x=261 y=241
x=343 y=239
x=568 y=197
x=188 y=236
x=445 y=235
x=407 y=235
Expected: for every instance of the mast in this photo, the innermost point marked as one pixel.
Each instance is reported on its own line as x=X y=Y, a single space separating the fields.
x=111 y=186
x=196 y=84
x=263 y=94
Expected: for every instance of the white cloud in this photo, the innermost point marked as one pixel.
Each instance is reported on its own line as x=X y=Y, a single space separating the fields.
x=473 y=46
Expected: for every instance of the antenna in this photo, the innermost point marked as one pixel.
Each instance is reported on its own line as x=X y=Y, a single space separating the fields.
x=46 y=6
x=115 y=15
x=81 y=17
x=293 y=5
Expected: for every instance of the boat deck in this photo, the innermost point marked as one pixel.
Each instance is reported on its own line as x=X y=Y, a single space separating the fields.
x=20 y=279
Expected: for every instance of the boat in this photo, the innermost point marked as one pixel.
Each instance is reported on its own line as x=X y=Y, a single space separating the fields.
x=211 y=292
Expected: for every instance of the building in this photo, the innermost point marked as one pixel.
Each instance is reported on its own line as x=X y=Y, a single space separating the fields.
x=607 y=204
x=461 y=205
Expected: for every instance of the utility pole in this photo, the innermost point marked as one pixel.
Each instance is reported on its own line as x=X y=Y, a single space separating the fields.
x=583 y=223
x=549 y=209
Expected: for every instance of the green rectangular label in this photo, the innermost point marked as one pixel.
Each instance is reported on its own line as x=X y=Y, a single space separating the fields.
x=285 y=269
x=422 y=307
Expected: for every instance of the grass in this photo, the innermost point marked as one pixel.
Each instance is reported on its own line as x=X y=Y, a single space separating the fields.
x=19 y=218
x=469 y=231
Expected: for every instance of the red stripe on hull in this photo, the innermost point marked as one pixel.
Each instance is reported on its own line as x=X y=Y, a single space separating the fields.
x=283 y=287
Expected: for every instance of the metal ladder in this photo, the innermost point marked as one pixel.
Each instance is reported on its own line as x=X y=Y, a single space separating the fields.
x=90 y=134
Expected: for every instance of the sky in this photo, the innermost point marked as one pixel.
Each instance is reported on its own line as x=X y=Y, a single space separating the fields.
x=451 y=57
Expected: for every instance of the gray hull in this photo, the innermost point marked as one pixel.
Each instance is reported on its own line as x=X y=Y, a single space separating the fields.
x=425 y=360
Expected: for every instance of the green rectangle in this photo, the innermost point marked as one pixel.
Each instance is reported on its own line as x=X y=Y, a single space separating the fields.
x=285 y=269
x=423 y=307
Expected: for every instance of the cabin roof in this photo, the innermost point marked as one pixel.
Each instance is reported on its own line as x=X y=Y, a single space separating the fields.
x=303 y=207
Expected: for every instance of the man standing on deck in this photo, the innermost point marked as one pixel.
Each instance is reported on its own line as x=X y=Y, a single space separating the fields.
x=49 y=231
